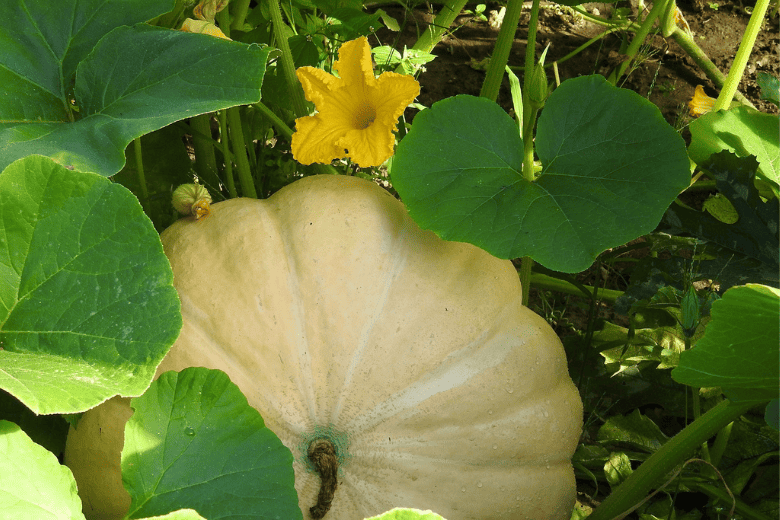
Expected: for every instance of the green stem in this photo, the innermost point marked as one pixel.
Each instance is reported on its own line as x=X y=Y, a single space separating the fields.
x=585 y=46
x=294 y=88
x=239 y=9
x=598 y=20
x=745 y=511
x=223 y=19
x=239 y=153
x=139 y=166
x=684 y=40
x=530 y=55
x=433 y=33
x=526 y=265
x=719 y=446
x=529 y=112
x=743 y=54
x=205 y=159
x=550 y=283
x=652 y=472
x=639 y=38
x=280 y=126
x=501 y=50
x=529 y=118
x=227 y=156
x=529 y=121
x=705 y=448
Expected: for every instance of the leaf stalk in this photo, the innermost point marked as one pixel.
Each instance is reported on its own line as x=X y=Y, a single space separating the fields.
x=743 y=54
x=670 y=455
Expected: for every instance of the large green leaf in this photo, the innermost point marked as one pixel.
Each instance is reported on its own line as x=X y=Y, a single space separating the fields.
x=755 y=232
x=634 y=430
x=181 y=514
x=742 y=130
x=611 y=166
x=403 y=513
x=33 y=484
x=132 y=81
x=195 y=442
x=739 y=350
x=87 y=304
x=44 y=41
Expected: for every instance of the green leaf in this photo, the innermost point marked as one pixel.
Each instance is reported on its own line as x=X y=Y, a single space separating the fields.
x=44 y=41
x=136 y=80
x=194 y=442
x=755 y=233
x=772 y=414
x=739 y=350
x=617 y=469
x=388 y=21
x=611 y=166
x=770 y=87
x=685 y=260
x=388 y=58
x=181 y=514
x=662 y=345
x=49 y=431
x=719 y=207
x=742 y=130
x=87 y=304
x=402 y=513
x=634 y=430
x=33 y=484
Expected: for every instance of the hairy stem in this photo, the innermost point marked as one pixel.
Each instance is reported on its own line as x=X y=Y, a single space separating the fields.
x=240 y=154
x=743 y=54
x=433 y=33
x=703 y=61
x=500 y=56
x=205 y=160
x=543 y=281
x=226 y=155
x=278 y=124
x=294 y=88
x=239 y=9
x=639 y=38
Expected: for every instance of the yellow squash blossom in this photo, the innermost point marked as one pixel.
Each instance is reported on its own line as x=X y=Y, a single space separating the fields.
x=356 y=112
x=202 y=26
x=701 y=103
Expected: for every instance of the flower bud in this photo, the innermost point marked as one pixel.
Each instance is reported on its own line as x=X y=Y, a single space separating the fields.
x=192 y=199
x=538 y=88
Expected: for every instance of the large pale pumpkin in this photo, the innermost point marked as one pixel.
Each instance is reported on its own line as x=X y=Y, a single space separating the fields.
x=341 y=320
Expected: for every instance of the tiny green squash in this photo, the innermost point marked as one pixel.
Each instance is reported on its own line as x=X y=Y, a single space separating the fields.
x=412 y=357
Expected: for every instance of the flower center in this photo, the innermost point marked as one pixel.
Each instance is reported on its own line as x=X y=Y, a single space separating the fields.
x=364 y=116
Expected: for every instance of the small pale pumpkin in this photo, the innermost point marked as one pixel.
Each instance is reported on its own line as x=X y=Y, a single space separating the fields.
x=342 y=321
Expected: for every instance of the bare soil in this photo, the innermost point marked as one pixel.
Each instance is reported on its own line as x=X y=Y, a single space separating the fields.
x=665 y=74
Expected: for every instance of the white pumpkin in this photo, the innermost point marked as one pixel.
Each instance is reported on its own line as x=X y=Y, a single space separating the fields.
x=340 y=319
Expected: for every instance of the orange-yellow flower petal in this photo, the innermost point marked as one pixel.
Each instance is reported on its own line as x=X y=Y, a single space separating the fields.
x=200 y=26
x=356 y=112
x=701 y=103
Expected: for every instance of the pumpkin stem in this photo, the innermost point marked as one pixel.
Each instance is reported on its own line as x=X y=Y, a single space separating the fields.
x=322 y=454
